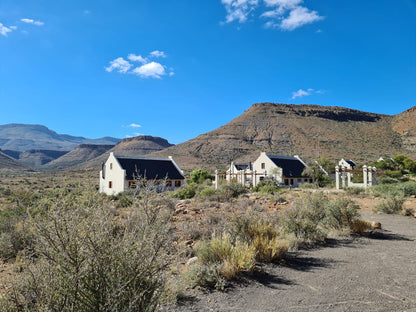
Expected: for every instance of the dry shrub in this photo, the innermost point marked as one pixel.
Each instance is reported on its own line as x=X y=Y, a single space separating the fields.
x=220 y=258
x=85 y=259
x=359 y=226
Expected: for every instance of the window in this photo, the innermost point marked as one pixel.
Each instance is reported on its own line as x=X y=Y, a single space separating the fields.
x=263 y=166
x=168 y=183
x=110 y=184
x=178 y=183
x=132 y=184
x=111 y=166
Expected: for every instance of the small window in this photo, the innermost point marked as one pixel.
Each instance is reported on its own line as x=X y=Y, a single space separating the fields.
x=263 y=166
x=110 y=184
x=132 y=184
x=178 y=183
x=169 y=183
x=111 y=166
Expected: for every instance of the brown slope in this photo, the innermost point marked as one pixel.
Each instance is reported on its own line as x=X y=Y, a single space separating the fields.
x=77 y=157
x=405 y=125
x=8 y=164
x=307 y=130
x=137 y=146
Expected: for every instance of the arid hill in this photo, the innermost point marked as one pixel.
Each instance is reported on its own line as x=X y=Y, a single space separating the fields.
x=35 y=158
x=310 y=131
x=8 y=164
x=137 y=146
x=77 y=157
x=24 y=137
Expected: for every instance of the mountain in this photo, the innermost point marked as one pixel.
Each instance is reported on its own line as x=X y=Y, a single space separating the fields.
x=78 y=156
x=35 y=158
x=310 y=131
x=88 y=156
x=8 y=164
x=405 y=125
x=24 y=137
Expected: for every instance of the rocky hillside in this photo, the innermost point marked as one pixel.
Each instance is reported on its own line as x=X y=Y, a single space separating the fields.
x=23 y=137
x=8 y=164
x=307 y=130
x=35 y=158
x=405 y=125
x=75 y=158
x=137 y=146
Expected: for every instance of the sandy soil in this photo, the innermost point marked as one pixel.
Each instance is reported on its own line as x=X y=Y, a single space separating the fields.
x=376 y=273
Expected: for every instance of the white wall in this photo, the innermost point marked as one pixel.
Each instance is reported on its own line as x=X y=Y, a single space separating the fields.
x=269 y=167
x=114 y=174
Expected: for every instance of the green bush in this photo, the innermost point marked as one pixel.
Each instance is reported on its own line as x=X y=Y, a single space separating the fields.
x=207 y=192
x=354 y=190
x=390 y=205
x=232 y=190
x=198 y=176
x=186 y=192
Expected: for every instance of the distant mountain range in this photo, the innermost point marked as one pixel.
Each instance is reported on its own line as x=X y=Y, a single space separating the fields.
x=310 y=131
x=23 y=137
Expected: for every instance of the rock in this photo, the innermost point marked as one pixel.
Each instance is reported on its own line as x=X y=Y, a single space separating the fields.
x=191 y=261
x=376 y=225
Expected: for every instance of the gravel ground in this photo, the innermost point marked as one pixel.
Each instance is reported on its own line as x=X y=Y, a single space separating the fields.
x=363 y=274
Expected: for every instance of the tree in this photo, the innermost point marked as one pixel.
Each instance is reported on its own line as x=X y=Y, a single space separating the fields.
x=315 y=172
x=199 y=176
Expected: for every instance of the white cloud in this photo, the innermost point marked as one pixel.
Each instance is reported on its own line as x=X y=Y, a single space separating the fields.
x=298 y=17
x=150 y=70
x=133 y=125
x=137 y=58
x=284 y=14
x=158 y=53
x=302 y=93
x=32 y=21
x=119 y=64
x=86 y=12
x=4 y=30
x=13 y=27
x=238 y=10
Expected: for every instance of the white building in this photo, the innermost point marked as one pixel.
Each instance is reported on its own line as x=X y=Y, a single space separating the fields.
x=284 y=169
x=347 y=163
x=121 y=173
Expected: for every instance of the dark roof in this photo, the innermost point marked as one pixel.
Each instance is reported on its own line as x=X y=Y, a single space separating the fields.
x=243 y=166
x=149 y=168
x=350 y=162
x=292 y=167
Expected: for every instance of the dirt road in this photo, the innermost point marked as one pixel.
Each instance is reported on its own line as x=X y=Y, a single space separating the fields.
x=363 y=274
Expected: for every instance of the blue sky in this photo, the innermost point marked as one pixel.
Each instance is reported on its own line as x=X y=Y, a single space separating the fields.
x=177 y=69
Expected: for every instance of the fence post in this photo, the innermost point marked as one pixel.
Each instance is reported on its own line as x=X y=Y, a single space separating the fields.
x=216 y=179
x=337 y=177
x=365 y=176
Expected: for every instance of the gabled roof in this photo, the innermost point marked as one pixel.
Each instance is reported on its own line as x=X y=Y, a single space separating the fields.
x=292 y=167
x=149 y=168
x=350 y=162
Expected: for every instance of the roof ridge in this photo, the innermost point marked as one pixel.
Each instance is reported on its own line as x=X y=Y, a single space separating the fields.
x=141 y=157
x=281 y=157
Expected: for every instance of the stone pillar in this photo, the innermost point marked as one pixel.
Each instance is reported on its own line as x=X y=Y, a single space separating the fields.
x=243 y=177
x=337 y=177
x=365 y=176
x=348 y=178
x=254 y=178
x=375 y=176
x=343 y=176
x=370 y=176
x=216 y=179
